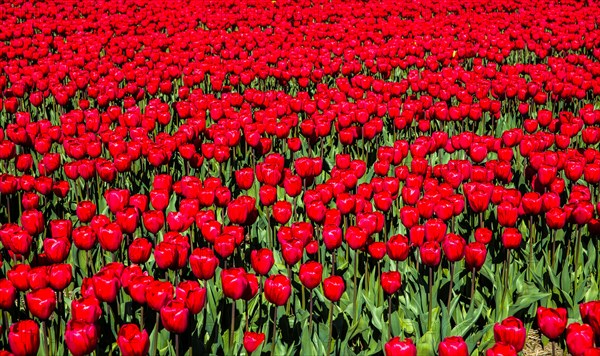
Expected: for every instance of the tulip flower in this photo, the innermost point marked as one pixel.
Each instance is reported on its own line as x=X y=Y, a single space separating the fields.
x=453 y=346
x=552 y=322
x=579 y=337
x=8 y=294
x=81 y=338
x=24 y=338
x=86 y=310
x=132 y=341
x=262 y=260
x=174 y=316
x=203 y=263
x=397 y=347
x=41 y=303
x=501 y=349
x=252 y=341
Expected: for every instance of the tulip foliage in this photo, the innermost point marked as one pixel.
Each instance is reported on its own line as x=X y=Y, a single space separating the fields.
x=299 y=177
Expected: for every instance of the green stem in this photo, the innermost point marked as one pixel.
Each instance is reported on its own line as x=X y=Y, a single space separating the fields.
x=155 y=336
x=46 y=342
x=232 y=325
x=390 y=316
x=451 y=285
x=274 y=329
x=310 y=311
x=355 y=284
x=531 y=242
x=553 y=248
x=430 y=298
x=330 y=319
x=473 y=281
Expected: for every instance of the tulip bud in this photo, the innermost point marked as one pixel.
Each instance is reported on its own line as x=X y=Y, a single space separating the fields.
x=311 y=274
x=252 y=341
x=396 y=347
x=453 y=346
x=24 y=338
x=512 y=332
x=81 y=338
x=333 y=288
x=391 y=282
x=278 y=289
x=580 y=337
x=552 y=322
x=132 y=341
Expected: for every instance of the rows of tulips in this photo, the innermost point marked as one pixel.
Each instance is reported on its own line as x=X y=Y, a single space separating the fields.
x=299 y=177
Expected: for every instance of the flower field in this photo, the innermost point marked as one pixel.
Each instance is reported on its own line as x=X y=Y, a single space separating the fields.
x=312 y=177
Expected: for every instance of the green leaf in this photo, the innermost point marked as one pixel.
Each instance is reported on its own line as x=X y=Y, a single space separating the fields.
x=426 y=345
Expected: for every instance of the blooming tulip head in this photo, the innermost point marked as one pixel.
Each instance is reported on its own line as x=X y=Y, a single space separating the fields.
x=552 y=321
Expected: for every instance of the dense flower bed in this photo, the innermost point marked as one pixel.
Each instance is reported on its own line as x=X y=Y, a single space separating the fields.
x=299 y=177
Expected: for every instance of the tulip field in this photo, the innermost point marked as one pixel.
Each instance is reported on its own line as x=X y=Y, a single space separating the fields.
x=311 y=177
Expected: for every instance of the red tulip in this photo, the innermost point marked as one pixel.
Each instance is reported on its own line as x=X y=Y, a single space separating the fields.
x=333 y=288
x=311 y=274
x=398 y=248
x=453 y=346
x=580 y=337
x=24 y=338
x=282 y=212
x=203 y=263
x=81 y=338
x=110 y=237
x=139 y=250
x=391 y=281
x=430 y=253
x=41 y=303
x=377 y=250
x=61 y=229
x=32 y=222
x=512 y=332
x=252 y=341
x=158 y=294
x=127 y=219
x=175 y=316
x=37 y=277
x=117 y=199
x=556 y=218
x=475 y=254
x=106 y=286
x=57 y=250
x=396 y=347
x=244 y=178
x=552 y=322
x=84 y=237
x=278 y=289
x=511 y=238
x=262 y=260
x=18 y=276
x=61 y=275
x=483 y=235
x=8 y=294
x=435 y=230
x=507 y=214
x=86 y=310
x=234 y=282
x=159 y=199
x=132 y=341
x=332 y=237
x=292 y=251
x=454 y=247
x=192 y=295
x=501 y=349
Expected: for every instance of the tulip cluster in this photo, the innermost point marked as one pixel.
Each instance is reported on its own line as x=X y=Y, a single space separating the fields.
x=308 y=177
